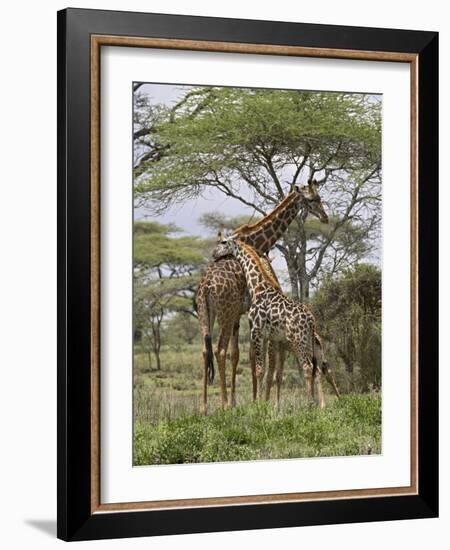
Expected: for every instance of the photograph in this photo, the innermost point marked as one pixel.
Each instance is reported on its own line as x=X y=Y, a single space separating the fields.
x=257 y=273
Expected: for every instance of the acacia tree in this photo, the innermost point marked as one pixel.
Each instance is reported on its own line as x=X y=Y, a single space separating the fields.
x=254 y=146
x=146 y=116
x=166 y=273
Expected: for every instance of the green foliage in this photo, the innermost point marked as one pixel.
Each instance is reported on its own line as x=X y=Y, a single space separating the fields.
x=155 y=246
x=348 y=314
x=215 y=221
x=254 y=146
x=151 y=227
x=349 y=426
x=237 y=130
x=182 y=329
x=166 y=273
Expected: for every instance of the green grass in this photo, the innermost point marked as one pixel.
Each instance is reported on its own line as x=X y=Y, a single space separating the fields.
x=170 y=429
x=349 y=426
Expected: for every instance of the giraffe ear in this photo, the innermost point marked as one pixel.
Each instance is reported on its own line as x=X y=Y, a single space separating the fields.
x=220 y=235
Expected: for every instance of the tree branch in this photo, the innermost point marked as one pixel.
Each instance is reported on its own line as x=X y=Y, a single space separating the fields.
x=339 y=224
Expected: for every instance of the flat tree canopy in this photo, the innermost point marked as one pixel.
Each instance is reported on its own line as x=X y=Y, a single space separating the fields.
x=254 y=146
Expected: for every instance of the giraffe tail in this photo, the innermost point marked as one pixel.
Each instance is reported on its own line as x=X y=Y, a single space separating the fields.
x=318 y=356
x=316 y=352
x=209 y=358
x=204 y=315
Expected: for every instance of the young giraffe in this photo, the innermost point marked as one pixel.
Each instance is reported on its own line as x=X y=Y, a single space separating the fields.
x=222 y=292
x=279 y=319
x=277 y=353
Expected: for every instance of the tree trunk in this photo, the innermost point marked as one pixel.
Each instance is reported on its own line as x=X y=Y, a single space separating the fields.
x=293 y=278
x=301 y=259
x=303 y=279
x=146 y=342
x=295 y=256
x=346 y=351
x=158 y=360
x=157 y=339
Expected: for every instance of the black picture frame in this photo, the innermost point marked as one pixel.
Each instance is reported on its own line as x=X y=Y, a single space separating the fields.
x=75 y=518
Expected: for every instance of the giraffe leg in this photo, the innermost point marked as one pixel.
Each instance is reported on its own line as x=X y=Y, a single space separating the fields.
x=234 y=362
x=279 y=375
x=205 y=385
x=308 y=374
x=317 y=381
x=261 y=368
x=208 y=369
x=258 y=346
x=272 y=353
x=221 y=355
x=206 y=318
x=253 y=370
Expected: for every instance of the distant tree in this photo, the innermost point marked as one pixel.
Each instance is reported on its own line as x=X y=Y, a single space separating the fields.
x=160 y=250
x=348 y=314
x=254 y=146
x=181 y=328
x=166 y=273
x=215 y=221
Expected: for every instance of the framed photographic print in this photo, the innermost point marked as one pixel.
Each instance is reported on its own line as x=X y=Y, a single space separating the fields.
x=247 y=274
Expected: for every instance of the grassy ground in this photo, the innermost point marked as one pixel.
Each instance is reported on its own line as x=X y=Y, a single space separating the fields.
x=170 y=429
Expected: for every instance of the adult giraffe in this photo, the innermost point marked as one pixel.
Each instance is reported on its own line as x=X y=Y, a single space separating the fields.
x=222 y=292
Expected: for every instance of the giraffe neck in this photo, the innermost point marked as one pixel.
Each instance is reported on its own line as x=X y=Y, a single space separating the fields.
x=269 y=269
x=263 y=235
x=257 y=276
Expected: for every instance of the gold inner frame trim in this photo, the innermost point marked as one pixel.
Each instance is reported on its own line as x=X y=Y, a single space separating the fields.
x=97 y=41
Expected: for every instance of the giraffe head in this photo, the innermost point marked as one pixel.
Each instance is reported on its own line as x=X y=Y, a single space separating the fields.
x=312 y=201
x=263 y=234
x=228 y=245
x=222 y=247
